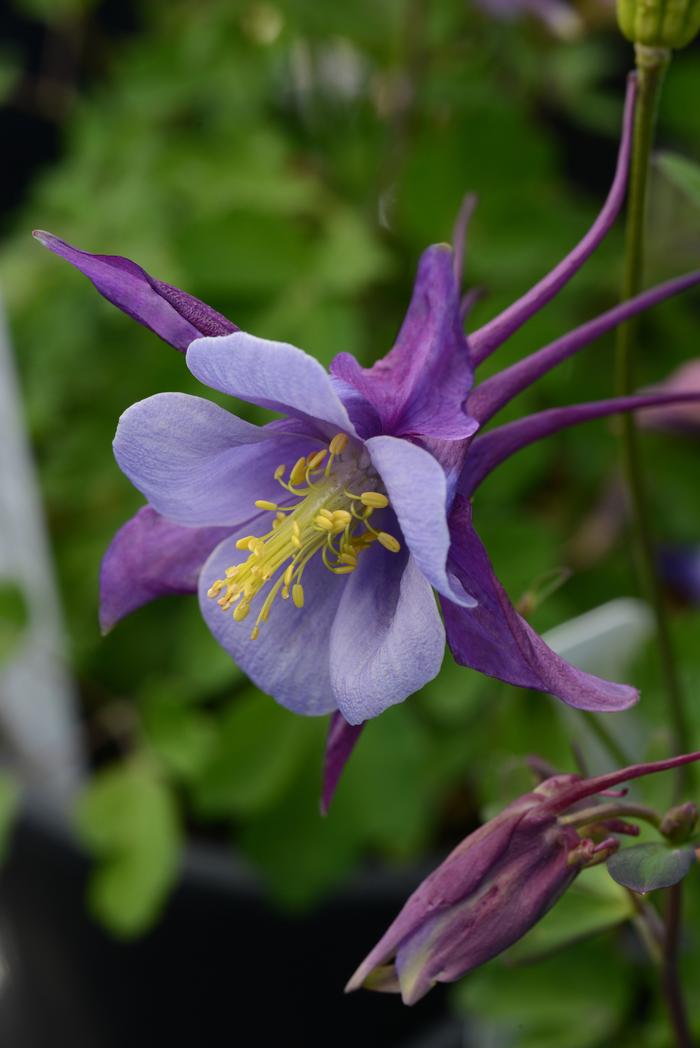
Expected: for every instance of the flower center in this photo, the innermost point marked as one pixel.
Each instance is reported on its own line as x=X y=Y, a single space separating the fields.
x=327 y=516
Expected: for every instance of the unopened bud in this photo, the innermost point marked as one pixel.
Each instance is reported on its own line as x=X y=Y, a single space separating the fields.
x=588 y=853
x=678 y=823
x=659 y=23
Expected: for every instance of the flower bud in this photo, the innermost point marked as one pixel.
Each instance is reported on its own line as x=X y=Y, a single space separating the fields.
x=498 y=882
x=493 y=887
x=659 y=23
x=678 y=823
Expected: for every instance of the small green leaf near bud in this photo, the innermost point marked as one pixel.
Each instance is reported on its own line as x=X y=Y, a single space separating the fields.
x=646 y=867
x=659 y=23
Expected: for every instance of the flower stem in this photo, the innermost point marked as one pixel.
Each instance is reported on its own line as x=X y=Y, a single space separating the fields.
x=671 y=981
x=601 y=731
x=601 y=812
x=651 y=66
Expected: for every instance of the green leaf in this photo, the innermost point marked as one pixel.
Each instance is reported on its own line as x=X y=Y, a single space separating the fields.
x=593 y=904
x=526 y=1007
x=14 y=617
x=646 y=867
x=300 y=855
x=127 y=819
x=257 y=751
x=182 y=736
x=682 y=173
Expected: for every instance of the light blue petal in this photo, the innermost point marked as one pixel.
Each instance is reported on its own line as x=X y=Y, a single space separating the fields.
x=198 y=464
x=274 y=375
x=290 y=658
x=417 y=488
x=388 y=639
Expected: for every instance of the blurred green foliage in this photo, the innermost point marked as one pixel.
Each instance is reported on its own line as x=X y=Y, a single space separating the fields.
x=287 y=163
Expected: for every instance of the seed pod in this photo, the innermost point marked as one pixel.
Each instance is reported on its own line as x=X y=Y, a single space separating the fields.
x=659 y=23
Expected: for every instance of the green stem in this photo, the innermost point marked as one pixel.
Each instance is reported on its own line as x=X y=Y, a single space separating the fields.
x=599 y=812
x=651 y=66
x=601 y=731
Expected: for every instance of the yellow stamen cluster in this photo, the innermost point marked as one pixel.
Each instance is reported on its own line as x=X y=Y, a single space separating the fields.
x=325 y=517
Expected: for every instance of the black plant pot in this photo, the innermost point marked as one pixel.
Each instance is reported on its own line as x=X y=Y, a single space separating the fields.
x=220 y=967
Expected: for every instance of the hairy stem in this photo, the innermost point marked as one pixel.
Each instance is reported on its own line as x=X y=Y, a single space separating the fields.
x=651 y=65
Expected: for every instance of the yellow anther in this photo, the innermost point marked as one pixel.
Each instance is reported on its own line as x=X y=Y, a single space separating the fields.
x=389 y=542
x=316 y=460
x=325 y=519
x=298 y=473
x=323 y=523
x=374 y=499
x=339 y=443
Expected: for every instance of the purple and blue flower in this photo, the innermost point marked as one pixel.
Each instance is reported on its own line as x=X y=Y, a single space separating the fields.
x=317 y=542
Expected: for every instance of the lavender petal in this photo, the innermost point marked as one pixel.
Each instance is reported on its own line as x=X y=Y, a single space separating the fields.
x=198 y=464
x=388 y=639
x=274 y=375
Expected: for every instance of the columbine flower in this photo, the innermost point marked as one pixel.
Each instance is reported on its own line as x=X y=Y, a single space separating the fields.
x=316 y=541
x=498 y=883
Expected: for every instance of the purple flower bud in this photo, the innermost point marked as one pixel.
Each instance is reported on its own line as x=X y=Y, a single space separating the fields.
x=493 y=887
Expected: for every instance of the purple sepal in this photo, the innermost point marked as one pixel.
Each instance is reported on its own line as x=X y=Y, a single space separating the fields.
x=420 y=387
x=493 y=639
x=493 y=394
x=496 y=331
x=151 y=557
x=341 y=741
x=492 y=888
x=177 y=317
x=488 y=451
